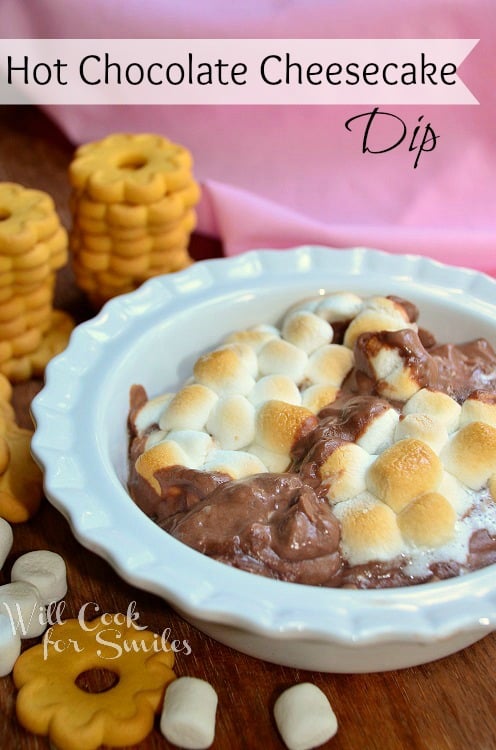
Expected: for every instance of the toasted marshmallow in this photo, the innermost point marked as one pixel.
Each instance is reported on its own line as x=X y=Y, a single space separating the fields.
x=339 y=307
x=369 y=530
x=196 y=444
x=329 y=365
x=377 y=314
x=460 y=497
x=254 y=337
x=276 y=462
x=317 y=396
x=470 y=455
x=160 y=456
x=278 y=387
x=224 y=370
x=437 y=405
x=343 y=472
x=479 y=407
x=422 y=427
x=428 y=521
x=232 y=422
x=306 y=330
x=406 y=470
x=279 y=357
x=189 y=409
x=236 y=464
x=278 y=425
x=247 y=356
x=395 y=379
x=150 y=413
x=379 y=433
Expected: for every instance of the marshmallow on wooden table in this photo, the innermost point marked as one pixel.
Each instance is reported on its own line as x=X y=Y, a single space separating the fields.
x=44 y=569
x=304 y=717
x=188 y=713
x=6 y=539
x=10 y=645
x=22 y=604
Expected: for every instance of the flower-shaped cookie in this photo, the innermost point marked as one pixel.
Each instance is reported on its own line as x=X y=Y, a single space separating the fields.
x=50 y=702
x=26 y=218
x=139 y=168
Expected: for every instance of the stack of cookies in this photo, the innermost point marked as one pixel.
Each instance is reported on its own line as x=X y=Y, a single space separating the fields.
x=33 y=245
x=133 y=212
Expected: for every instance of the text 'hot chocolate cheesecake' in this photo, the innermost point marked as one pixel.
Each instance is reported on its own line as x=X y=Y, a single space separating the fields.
x=342 y=448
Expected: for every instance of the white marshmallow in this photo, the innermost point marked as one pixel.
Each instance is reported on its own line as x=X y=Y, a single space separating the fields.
x=232 y=422
x=276 y=462
x=247 y=356
x=151 y=412
x=6 y=540
x=379 y=434
x=344 y=472
x=10 y=645
x=22 y=604
x=44 y=569
x=278 y=387
x=188 y=713
x=396 y=380
x=378 y=314
x=458 y=495
x=369 y=529
x=424 y=428
x=237 y=464
x=339 y=306
x=279 y=357
x=304 y=717
x=306 y=330
x=477 y=410
x=197 y=445
x=437 y=405
x=189 y=409
x=329 y=365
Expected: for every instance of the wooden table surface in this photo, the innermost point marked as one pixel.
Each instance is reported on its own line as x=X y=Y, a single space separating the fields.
x=446 y=705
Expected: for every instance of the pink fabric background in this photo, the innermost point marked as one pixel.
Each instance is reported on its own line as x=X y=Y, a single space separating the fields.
x=281 y=176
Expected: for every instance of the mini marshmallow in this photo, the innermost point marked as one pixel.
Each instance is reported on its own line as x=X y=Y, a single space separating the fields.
x=196 y=444
x=189 y=409
x=236 y=464
x=278 y=387
x=232 y=422
x=315 y=397
x=329 y=365
x=479 y=407
x=429 y=521
x=379 y=433
x=304 y=717
x=254 y=337
x=369 y=530
x=471 y=454
x=460 y=497
x=279 y=357
x=10 y=645
x=404 y=471
x=424 y=428
x=306 y=330
x=339 y=307
x=150 y=413
x=395 y=378
x=343 y=473
x=278 y=425
x=188 y=713
x=224 y=371
x=44 y=569
x=437 y=405
x=492 y=486
x=22 y=604
x=247 y=357
x=6 y=540
x=378 y=314
x=276 y=462
x=160 y=456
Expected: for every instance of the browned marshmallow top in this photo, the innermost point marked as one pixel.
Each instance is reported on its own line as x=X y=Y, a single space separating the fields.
x=387 y=442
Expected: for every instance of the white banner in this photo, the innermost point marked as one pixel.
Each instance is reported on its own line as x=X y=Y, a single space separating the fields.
x=234 y=71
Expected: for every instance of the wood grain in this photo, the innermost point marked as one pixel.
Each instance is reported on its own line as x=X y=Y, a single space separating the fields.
x=446 y=705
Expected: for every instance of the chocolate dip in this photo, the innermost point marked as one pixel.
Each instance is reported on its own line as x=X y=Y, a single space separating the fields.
x=281 y=525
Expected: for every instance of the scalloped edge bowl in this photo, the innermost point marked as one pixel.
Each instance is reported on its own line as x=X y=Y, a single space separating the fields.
x=152 y=336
